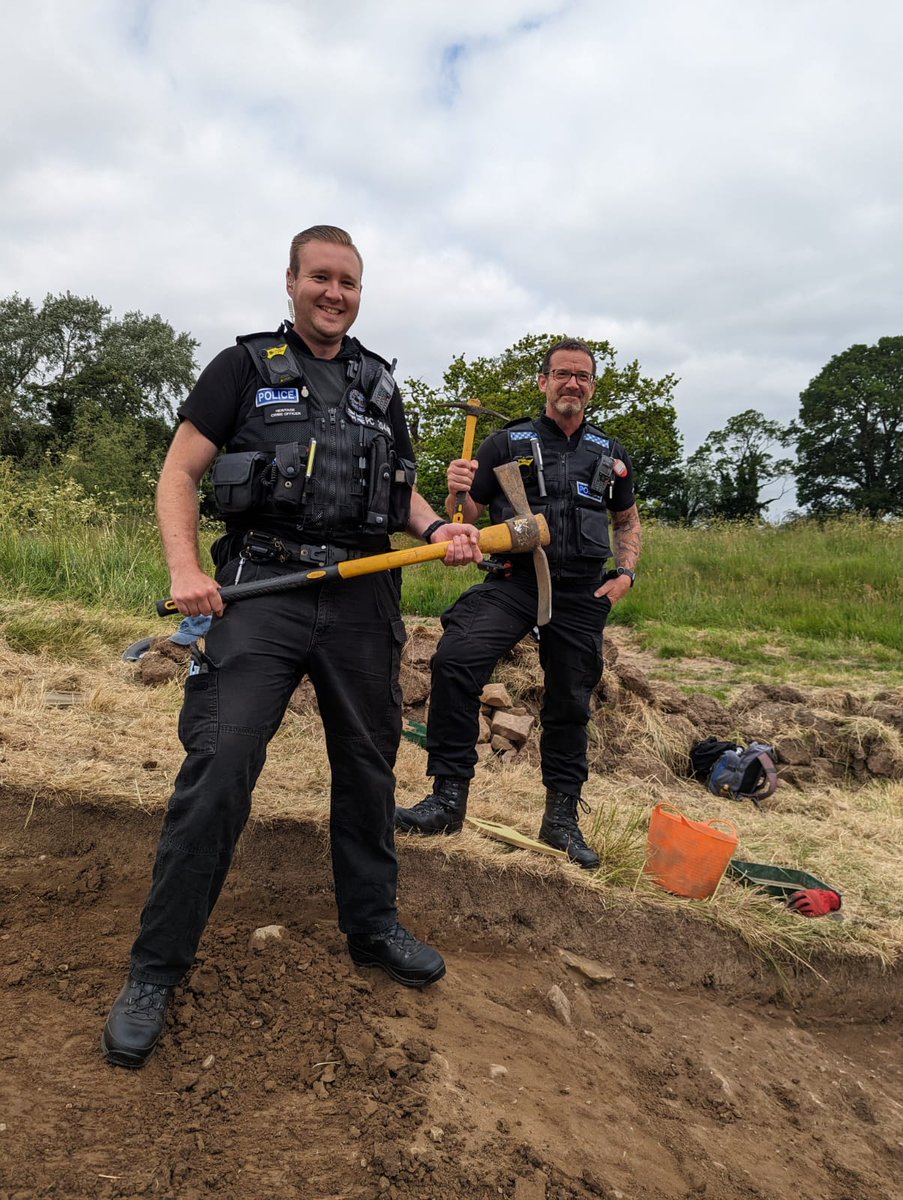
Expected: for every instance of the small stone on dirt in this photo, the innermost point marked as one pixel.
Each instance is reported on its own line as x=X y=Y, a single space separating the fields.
x=495 y=695
x=559 y=1004
x=587 y=966
x=267 y=933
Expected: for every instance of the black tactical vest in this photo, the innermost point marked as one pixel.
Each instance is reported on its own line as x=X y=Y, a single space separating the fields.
x=329 y=469
x=576 y=485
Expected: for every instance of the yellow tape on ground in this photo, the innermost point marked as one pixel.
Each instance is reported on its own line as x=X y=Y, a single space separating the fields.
x=513 y=837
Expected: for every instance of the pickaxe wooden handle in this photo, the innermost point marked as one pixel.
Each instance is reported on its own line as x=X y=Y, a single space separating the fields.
x=519 y=534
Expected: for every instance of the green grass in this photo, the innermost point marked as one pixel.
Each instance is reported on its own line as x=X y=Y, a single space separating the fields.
x=840 y=581
x=774 y=601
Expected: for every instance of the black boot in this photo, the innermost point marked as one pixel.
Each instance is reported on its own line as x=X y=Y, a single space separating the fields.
x=441 y=812
x=560 y=829
x=400 y=954
x=135 y=1023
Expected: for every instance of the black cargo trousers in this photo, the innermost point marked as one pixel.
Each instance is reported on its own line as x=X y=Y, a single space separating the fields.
x=347 y=637
x=483 y=625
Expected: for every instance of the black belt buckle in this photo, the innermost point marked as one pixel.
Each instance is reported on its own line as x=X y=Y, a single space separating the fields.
x=323 y=555
x=316 y=555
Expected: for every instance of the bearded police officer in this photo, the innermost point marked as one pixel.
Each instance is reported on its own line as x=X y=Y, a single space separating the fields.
x=576 y=475
x=317 y=467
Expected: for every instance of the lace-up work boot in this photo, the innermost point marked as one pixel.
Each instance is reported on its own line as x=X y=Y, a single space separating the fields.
x=560 y=829
x=400 y=954
x=135 y=1023
x=441 y=812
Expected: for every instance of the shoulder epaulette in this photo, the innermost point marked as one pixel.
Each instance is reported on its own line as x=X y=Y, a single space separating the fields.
x=370 y=353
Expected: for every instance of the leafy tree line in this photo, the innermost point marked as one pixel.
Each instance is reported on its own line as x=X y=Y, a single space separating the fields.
x=93 y=399
x=88 y=396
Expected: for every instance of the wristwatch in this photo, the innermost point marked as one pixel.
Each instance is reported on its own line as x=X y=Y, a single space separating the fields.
x=631 y=575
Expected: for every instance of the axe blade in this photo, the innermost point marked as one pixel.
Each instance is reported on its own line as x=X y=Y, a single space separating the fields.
x=544 y=587
x=511 y=483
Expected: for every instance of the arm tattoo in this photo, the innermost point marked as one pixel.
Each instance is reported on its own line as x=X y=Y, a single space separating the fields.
x=627 y=537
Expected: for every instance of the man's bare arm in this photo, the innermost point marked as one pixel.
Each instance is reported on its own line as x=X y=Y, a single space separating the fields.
x=627 y=537
x=189 y=457
x=628 y=541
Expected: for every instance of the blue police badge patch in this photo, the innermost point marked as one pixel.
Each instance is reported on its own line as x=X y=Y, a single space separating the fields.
x=276 y=396
x=357 y=401
x=583 y=489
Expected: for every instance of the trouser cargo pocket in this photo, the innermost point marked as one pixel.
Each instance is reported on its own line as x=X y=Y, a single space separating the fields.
x=199 y=718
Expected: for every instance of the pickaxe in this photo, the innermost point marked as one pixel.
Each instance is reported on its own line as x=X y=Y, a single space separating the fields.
x=474 y=411
x=525 y=531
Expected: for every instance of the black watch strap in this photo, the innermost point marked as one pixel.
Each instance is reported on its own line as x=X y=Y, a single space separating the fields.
x=627 y=571
x=431 y=529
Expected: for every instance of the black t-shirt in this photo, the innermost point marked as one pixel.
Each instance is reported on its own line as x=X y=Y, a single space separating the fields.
x=214 y=405
x=495 y=450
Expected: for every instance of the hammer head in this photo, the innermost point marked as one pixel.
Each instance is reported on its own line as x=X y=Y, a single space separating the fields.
x=473 y=408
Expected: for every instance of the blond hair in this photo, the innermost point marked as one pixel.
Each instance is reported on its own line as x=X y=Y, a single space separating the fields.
x=320 y=233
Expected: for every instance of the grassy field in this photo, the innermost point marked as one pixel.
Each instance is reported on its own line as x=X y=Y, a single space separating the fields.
x=814 y=601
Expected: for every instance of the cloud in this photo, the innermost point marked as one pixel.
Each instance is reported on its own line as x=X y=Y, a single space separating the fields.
x=715 y=189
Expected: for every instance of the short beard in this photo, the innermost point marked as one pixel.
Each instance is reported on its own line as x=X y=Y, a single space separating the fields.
x=568 y=406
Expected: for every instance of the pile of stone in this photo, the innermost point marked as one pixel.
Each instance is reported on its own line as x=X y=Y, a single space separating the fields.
x=504 y=726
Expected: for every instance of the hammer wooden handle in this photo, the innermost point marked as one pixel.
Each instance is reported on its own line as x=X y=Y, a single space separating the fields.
x=470 y=429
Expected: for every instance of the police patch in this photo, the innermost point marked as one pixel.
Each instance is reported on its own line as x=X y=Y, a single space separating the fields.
x=584 y=490
x=276 y=396
x=357 y=401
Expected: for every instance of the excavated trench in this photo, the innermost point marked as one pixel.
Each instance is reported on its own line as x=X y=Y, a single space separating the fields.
x=664 y=1061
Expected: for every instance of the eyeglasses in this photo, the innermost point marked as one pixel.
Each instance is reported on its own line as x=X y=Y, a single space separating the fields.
x=560 y=375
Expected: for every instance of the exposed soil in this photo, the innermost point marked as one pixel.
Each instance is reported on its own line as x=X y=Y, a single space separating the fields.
x=671 y=1064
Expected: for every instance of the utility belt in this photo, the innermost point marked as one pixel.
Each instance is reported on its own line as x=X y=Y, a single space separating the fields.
x=265 y=547
x=521 y=566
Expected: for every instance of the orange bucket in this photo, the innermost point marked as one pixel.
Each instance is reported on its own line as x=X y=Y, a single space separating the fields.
x=687 y=857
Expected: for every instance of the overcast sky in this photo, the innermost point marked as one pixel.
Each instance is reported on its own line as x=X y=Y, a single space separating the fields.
x=715 y=187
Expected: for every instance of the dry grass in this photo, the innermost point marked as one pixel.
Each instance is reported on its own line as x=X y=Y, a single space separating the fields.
x=118 y=746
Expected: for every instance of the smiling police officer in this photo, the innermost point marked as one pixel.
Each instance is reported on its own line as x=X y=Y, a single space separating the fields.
x=317 y=468
x=582 y=481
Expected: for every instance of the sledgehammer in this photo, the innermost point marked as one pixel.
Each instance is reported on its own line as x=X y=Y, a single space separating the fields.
x=519 y=534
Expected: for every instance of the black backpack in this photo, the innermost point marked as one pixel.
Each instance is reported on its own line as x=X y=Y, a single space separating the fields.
x=735 y=772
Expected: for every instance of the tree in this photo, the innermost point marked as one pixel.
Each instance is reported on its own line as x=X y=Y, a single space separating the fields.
x=695 y=493
x=849 y=436
x=636 y=409
x=739 y=460
x=67 y=366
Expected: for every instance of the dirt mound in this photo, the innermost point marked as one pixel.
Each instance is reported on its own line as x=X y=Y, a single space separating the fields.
x=573 y=1051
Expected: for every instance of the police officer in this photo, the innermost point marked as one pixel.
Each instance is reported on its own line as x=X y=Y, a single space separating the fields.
x=318 y=467
x=577 y=476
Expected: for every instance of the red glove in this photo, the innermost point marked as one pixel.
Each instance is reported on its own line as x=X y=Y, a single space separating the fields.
x=814 y=902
